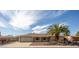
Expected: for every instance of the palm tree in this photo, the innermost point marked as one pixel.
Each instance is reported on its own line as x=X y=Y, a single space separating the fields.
x=56 y=29
x=77 y=34
x=65 y=30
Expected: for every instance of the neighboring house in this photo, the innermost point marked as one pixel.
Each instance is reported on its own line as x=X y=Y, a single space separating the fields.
x=4 y=39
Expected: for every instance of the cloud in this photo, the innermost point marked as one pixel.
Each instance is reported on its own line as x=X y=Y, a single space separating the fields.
x=61 y=12
x=2 y=25
x=63 y=24
x=52 y=13
x=6 y=14
x=40 y=29
x=23 y=20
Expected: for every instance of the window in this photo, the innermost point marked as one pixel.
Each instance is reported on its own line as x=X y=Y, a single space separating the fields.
x=37 y=38
x=44 y=38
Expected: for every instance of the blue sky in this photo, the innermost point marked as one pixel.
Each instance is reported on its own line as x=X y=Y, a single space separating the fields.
x=17 y=22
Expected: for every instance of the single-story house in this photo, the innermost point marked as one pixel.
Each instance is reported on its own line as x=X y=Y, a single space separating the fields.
x=36 y=38
x=4 y=39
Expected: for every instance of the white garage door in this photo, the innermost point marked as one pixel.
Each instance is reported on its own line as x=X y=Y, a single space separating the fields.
x=26 y=39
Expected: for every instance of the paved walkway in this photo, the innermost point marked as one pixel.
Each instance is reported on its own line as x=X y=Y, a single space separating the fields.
x=31 y=45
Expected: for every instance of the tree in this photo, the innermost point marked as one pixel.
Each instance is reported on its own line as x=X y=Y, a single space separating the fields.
x=77 y=34
x=65 y=30
x=56 y=29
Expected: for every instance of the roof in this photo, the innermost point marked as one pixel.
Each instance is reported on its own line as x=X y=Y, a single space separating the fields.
x=4 y=37
x=34 y=35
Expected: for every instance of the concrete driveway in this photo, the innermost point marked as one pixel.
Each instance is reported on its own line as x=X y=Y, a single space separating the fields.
x=16 y=44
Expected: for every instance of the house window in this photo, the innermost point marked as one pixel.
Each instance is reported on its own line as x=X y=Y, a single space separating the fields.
x=37 y=38
x=44 y=38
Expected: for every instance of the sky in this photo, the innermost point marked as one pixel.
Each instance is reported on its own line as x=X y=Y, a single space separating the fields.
x=18 y=22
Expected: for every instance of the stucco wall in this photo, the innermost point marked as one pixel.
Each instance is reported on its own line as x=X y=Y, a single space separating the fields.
x=26 y=39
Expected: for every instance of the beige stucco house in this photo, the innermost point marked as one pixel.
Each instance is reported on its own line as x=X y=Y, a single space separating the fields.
x=36 y=38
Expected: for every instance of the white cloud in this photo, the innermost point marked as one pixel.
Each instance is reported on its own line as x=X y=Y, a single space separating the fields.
x=63 y=24
x=23 y=20
x=40 y=29
x=61 y=12
x=52 y=14
x=2 y=24
x=7 y=13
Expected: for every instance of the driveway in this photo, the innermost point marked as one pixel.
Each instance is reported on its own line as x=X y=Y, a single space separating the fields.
x=34 y=45
x=16 y=44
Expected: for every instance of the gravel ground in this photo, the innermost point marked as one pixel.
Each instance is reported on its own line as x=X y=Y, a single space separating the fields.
x=30 y=45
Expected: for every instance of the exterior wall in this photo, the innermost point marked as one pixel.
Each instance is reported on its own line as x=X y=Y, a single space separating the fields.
x=13 y=39
x=26 y=39
x=36 y=39
x=61 y=38
x=52 y=38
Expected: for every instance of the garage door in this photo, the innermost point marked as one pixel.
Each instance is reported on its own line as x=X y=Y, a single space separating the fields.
x=26 y=39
